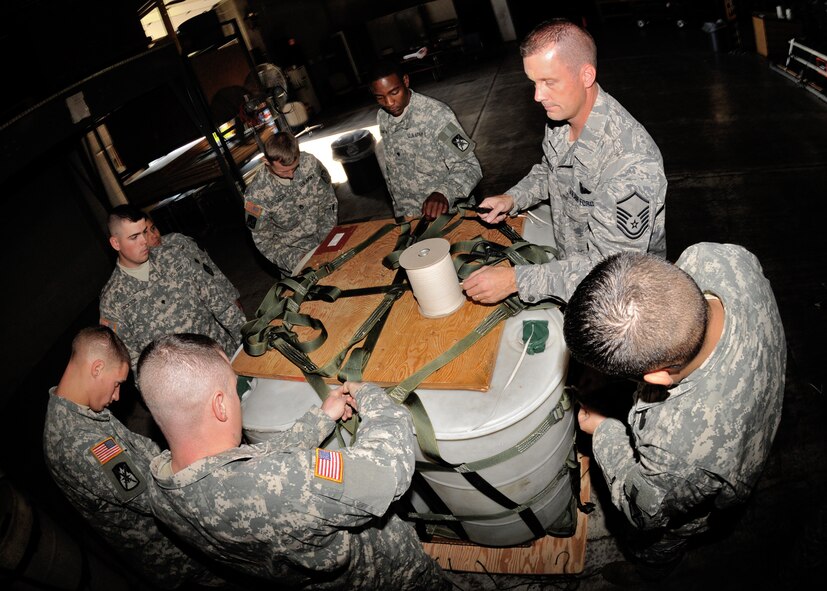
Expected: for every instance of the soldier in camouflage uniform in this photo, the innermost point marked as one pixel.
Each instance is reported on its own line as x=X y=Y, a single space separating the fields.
x=290 y=205
x=163 y=291
x=705 y=338
x=429 y=159
x=285 y=509
x=102 y=467
x=601 y=172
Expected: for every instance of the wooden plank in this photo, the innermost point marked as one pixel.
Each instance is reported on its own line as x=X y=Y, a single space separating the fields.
x=408 y=340
x=549 y=555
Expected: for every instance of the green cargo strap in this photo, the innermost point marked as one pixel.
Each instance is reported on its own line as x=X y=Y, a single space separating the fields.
x=555 y=416
x=276 y=303
x=516 y=509
x=506 y=309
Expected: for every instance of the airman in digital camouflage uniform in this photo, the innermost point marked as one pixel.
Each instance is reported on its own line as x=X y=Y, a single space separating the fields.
x=162 y=291
x=705 y=339
x=102 y=467
x=285 y=509
x=199 y=257
x=429 y=159
x=290 y=205
x=601 y=172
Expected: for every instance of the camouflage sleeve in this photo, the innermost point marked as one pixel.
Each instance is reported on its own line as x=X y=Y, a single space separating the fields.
x=629 y=206
x=464 y=172
x=555 y=278
x=653 y=487
x=532 y=189
x=110 y=317
x=385 y=440
x=309 y=431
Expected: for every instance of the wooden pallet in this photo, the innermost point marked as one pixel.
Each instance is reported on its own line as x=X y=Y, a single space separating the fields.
x=549 y=555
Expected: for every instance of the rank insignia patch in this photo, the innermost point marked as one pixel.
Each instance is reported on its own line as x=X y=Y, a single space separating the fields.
x=329 y=465
x=633 y=216
x=106 y=450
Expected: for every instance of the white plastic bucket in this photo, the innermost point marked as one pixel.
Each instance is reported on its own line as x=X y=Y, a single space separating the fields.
x=472 y=426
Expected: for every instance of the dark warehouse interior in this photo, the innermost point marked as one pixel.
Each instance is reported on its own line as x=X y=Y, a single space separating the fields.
x=742 y=130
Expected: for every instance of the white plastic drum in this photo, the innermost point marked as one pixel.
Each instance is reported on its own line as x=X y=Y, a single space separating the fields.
x=472 y=426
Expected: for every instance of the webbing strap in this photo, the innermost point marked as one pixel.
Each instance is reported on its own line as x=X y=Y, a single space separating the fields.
x=256 y=333
x=506 y=309
x=517 y=509
x=555 y=416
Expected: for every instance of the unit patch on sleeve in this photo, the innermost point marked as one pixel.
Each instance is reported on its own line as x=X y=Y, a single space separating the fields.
x=453 y=136
x=252 y=212
x=329 y=465
x=633 y=216
x=126 y=479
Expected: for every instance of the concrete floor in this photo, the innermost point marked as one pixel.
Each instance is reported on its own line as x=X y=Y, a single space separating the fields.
x=745 y=153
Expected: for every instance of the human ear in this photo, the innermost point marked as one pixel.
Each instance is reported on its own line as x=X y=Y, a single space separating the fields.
x=218 y=407
x=589 y=75
x=97 y=367
x=114 y=243
x=660 y=377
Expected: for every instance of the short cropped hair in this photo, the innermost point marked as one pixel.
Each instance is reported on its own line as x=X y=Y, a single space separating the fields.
x=124 y=213
x=633 y=314
x=576 y=45
x=100 y=342
x=282 y=147
x=176 y=373
x=383 y=69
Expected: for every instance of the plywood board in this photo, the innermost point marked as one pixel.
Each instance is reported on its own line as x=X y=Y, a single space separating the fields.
x=549 y=555
x=408 y=340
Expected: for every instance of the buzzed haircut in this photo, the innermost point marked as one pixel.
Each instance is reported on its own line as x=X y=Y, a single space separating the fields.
x=634 y=314
x=176 y=374
x=124 y=213
x=576 y=45
x=384 y=69
x=100 y=341
x=282 y=147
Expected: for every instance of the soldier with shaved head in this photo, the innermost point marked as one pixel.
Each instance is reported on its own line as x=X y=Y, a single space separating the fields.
x=163 y=290
x=287 y=509
x=103 y=468
x=601 y=173
x=704 y=340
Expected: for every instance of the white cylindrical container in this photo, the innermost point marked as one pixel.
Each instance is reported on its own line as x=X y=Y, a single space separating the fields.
x=779 y=11
x=472 y=426
x=432 y=277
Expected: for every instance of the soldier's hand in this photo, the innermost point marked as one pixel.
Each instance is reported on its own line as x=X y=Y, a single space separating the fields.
x=589 y=419
x=490 y=285
x=499 y=206
x=435 y=205
x=339 y=404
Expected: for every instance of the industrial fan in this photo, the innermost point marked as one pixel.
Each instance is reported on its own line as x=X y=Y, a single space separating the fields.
x=289 y=114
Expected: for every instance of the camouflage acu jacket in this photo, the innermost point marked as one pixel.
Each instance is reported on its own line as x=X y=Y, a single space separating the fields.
x=607 y=193
x=426 y=150
x=706 y=444
x=180 y=296
x=103 y=469
x=289 y=220
x=287 y=511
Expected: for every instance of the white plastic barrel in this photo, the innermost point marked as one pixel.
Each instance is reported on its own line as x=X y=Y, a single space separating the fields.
x=472 y=426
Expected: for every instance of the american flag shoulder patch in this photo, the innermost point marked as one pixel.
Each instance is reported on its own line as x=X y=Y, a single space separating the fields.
x=329 y=465
x=106 y=450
